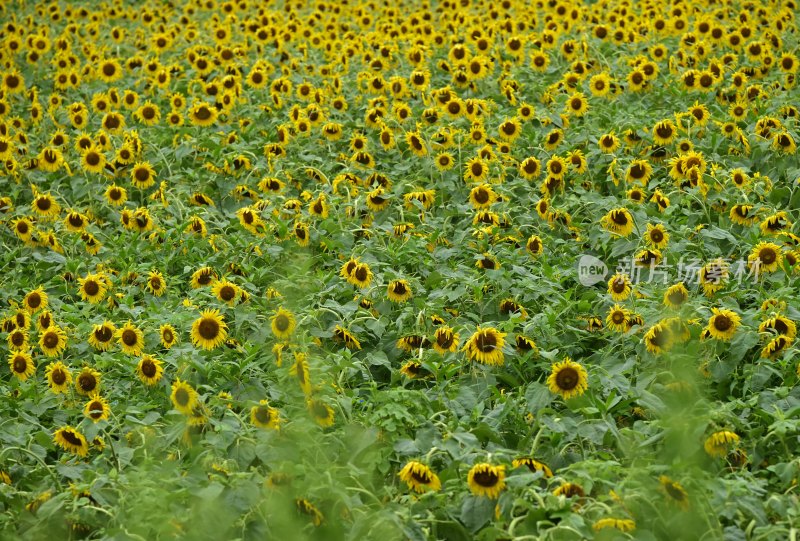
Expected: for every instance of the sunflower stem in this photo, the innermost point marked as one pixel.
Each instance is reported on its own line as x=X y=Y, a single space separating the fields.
x=38 y=459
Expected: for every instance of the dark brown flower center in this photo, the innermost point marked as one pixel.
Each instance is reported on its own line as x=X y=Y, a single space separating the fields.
x=71 y=438
x=227 y=293
x=486 y=341
x=87 y=382
x=50 y=340
x=282 y=322
x=20 y=364
x=722 y=322
x=149 y=368
x=129 y=337
x=91 y=287
x=567 y=378
x=208 y=328
x=486 y=478
x=263 y=415
x=103 y=334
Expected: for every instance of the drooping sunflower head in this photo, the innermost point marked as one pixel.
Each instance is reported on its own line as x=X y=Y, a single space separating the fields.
x=71 y=440
x=484 y=479
x=618 y=221
x=419 y=477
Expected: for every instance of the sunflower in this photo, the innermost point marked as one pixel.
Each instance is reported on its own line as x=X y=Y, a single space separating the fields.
x=17 y=340
x=35 y=300
x=97 y=408
x=361 y=276
x=202 y=114
x=301 y=233
x=486 y=480
x=618 y=221
x=50 y=159
x=619 y=287
x=21 y=364
x=533 y=465
x=776 y=347
x=476 y=170
x=713 y=276
x=340 y=334
x=742 y=215
x=130 y=339
x=209 y=330
x=71 y=440
x=264 y=416
x=676 y=295
x=530 y=168
x=608 y=143
x=53 y=341
x=23 y=228
x=156 y=284
x=168 y=335
x=202 y=277
x=116 y=195
x=779 y=325
x=675 y=492
x=282 y=324
x=412 y=342
x=184 y=398
x=656 y=236
x=534 y=246
x=618 y=319
x=482 y=196
x=569 y=490
x=398 y=291
x=419 y=477
x=577 y=104
x=226 y=291
x=723 y=323
x=101 y=336
x=321 y=412
x=87 y=381
x=623 y=525
x=765 y=257
x=58 y=377
x=149 y=370
x=658 y=339
x=568 y=379
x=92 y=288
x=45 y=206
x=719 y=443
x=445 y=340
x=307 y=508
x=486 y=346
x=143 y=175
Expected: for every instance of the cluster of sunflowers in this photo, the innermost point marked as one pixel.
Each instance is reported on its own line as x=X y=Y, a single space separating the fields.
x=396 y=195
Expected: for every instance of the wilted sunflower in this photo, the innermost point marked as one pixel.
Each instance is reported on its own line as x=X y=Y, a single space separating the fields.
x=568 y=378
x=723 y=323
x=765 y=257
x=282 y=324
x=21 y=364
x=209 y=330
x=340 y=334
x=487 y=480
x=130 y=339
x=676 y=493
x=184 y=398
x=149 y=370
x=87 y=381
x=776 y=347
x=445 y=340
x=322 y=413
x=534 y=245
x=398 y=291
x=264 y=416
x=97 y=408
x=780 y=325
x=719 y=443
x=307 y=508
x=419 y=477
x=92 y=288
x=71 y=440
x=569 y=490
x=533 y=465
x=486 y=346
x=202 y=277
x=53 y=341
x=618 y=221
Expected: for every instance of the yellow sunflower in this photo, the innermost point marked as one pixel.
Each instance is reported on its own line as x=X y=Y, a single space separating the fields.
x=168 y=335
x=568 y=378
x=618 y=221
x=321 y=412
x=209 y=330
x=765 y=257
x=92 y=288
x=486 y=346
x=419 y=477
x=282 y=324
x=149 y=370
x=87 y=381
x=445 y=340
x=487 y=480
x=264 y=416
x=184 y=398
x=398 y=291
x=53 y=341
x=130 y=339
x=97 y=408
x=35 y=300
x=719 y=443
x=101 y=336
x=533 y=465
x=21 y=364
x=71 y=440
x=723 y=323
x=58 y=377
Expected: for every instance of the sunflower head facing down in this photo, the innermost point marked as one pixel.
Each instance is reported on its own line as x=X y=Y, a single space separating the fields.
x=568 y=379
x=71 y=440
x=618 y=221
x=419 y=477
x=486 y=346
x=487 y=480
x=209 y=330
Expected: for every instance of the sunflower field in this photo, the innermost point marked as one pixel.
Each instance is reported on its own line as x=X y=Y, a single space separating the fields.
x=399 y=269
